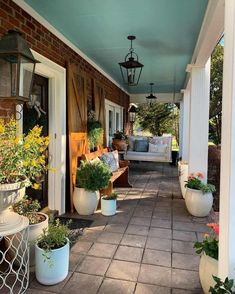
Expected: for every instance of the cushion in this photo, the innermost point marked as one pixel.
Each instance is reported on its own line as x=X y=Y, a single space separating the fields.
x=131 y=143
x=141 y=146
x=110 y=161
x=95 y=160
x=116 y=156
x=153 y=148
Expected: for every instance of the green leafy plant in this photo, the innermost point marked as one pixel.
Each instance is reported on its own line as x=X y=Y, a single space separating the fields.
x=119 y=135
x=113 y=196
x=93 y=176
x=95 y=131
x=222 y=287
x=29 y=208
x=210 y=243
x=56 y=236
x=22 y=157
x=195 y=182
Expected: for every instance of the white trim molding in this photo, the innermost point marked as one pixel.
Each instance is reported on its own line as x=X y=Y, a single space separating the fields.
x=54 y=31
x=57 y=129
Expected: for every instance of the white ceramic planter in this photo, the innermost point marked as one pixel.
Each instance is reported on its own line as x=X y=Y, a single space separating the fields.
x=183 y=176
x=108 y=207
x=208 y=266
x=54 y=271
x=35 y=231
x=197 y=203
x=85 y=202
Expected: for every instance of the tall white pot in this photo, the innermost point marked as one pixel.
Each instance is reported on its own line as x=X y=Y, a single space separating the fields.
x=54 y=270
x=35 y=230
x=208 y=267
x=183 y=176
x=197 y=203
x=108 y=207
x=85 y=202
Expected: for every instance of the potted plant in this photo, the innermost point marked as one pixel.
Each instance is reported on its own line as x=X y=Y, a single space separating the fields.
x=95 y=131
x=52 y=254
x=198 y=197
x=222 y=287
x=109 y=204
x=22 y=161
x=91 y=177
x=37 y=221
x=119 y=141
x=209 y=250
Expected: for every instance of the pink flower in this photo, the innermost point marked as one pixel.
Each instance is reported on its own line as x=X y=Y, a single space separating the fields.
x=200 y=175
x=215 y=227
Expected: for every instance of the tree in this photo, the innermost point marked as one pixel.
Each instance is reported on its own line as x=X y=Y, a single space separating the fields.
x=159 y=118
x=216 y=94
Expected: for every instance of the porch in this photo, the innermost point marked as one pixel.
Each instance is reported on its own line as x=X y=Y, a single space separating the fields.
x=147 y=247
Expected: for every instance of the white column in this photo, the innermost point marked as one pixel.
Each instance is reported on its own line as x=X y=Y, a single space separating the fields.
x=199 y=119
x=181 y=128
x=185 y=143
x=227 y=182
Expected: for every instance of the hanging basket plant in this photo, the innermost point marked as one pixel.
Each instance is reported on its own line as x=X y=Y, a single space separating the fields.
x=95 y=131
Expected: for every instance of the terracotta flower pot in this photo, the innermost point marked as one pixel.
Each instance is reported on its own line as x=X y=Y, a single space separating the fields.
x=119 y=145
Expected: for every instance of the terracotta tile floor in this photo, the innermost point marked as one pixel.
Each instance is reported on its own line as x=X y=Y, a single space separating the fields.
x=147 y=247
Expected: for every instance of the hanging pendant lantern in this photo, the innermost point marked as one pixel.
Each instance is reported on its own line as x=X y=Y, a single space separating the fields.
x=132 y=113
x=151 y=98
x=17 y=66
x=131 y=68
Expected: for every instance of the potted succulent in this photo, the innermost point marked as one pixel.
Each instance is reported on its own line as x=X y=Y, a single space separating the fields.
x=222 y=287
x=37 y=221
x=119 y=141
x=198 y=197
x=22 y=161
x=91 y=177
x=52 y=254
x=209 y=250
x=109 y=204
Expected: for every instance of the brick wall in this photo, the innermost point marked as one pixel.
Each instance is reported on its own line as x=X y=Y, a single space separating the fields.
x=48 y=45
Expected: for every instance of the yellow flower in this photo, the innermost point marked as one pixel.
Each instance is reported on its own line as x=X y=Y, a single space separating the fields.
x=17 y=140
x=41 y=160
x=2 y=129
x=25 y=163
x=33 y=162
x=36 y=186
x=26 y=146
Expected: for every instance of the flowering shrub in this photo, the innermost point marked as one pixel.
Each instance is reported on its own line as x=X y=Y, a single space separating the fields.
x=210 y=243
x=195 y=182
x=22 y=157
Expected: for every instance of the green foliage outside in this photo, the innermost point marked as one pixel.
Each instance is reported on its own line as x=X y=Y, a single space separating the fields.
x=93 y=176
x=159 y=118
x=222 y=287
x=216 y=94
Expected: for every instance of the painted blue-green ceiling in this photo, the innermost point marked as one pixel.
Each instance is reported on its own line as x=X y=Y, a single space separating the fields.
x=166 y=33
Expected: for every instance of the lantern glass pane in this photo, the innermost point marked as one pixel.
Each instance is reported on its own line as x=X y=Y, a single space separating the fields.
x=26 y=76
x=8 y=74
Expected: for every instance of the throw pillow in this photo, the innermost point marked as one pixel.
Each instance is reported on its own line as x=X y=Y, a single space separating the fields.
x=153 y=148
x=110 y=161
x=141 y=146
x=131 y=143
x=116 y=156
x=162 y=148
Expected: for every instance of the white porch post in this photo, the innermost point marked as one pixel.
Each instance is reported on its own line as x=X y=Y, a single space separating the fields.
x=227 y=182
x=199 y=117
x=181 y=130
x=186 y=114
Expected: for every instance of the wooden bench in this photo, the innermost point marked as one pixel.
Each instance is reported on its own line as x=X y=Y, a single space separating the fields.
x=119 y=178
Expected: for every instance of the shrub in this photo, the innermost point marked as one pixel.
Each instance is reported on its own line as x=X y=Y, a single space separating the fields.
x=119 y=135
x=93 y=176
x=95 y=133
x=113 y=196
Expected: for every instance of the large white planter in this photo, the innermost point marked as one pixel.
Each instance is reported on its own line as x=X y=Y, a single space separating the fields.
x=35 y=230
x=108 y=207
x=207 y=268
x=197 y=203
x=183 y=176
x=85 y=202
x=10 y=221
x=56 y=269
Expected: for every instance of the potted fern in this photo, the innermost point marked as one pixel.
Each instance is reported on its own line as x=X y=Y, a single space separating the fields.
x=37 y=221
x=91 y=177
x=109 y=204
x=52 y=254
x=119 y=141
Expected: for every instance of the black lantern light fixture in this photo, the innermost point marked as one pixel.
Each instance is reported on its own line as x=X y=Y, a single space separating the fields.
x=151 y=98
x=131 y=68
x=17 y=66
x=132 y=113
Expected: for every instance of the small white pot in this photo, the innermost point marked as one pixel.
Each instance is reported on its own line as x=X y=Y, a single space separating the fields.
x=85 y=202
x=35 y=231
x=56 y=269
x=197 y=203
x=108 y=207
x=208 y=267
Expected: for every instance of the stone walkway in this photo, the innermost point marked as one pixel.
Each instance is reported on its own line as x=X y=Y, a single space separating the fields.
x=147 y=247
